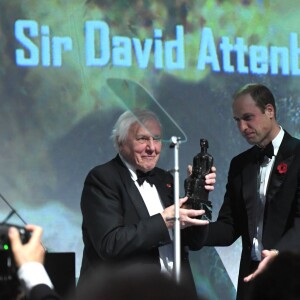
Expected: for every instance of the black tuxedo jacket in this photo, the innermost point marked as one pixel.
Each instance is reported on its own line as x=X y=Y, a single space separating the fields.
x=239 y=210
x=116 y=225
x=43 y=292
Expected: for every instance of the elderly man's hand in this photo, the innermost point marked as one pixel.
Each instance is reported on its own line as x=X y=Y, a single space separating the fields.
x=187 y=217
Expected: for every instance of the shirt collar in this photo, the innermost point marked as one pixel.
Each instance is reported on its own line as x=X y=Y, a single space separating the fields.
x=277 y=141
x=129 y=167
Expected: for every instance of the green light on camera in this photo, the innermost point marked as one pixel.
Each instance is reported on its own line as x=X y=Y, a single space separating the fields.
x=5 y=247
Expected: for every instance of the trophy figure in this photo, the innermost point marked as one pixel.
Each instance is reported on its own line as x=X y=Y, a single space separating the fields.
x=194 y=184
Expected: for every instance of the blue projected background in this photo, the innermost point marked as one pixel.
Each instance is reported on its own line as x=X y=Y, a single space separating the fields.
x=69 y=68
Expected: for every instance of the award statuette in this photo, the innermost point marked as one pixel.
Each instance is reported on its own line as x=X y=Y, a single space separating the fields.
x=194 y=184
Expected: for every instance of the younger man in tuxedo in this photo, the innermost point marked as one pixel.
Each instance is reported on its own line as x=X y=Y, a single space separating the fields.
x=262 y=199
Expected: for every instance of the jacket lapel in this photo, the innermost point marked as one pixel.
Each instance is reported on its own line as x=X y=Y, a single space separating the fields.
x=132 y=190
x=250 y=177
x=283 y=161
x=164 y=188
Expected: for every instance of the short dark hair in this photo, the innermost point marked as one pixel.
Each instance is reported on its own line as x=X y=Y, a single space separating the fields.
x=259 y=93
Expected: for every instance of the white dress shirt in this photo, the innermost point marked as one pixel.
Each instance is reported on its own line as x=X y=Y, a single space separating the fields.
x=263 y=180
x=32 y=274
x=154 y=206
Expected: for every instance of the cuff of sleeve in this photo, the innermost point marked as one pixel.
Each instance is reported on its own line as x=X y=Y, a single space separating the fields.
x=32 y=274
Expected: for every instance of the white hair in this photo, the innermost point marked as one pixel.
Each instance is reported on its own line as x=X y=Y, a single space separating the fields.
x=128 y=118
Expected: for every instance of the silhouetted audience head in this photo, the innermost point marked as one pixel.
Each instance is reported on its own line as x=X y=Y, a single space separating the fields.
x=281 y=279
x=131 y=283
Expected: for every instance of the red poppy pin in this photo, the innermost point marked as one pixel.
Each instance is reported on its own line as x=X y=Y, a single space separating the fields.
x=282 y=168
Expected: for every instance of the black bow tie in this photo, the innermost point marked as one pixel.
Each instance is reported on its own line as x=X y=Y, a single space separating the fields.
x=267 y=151
x=141 y=177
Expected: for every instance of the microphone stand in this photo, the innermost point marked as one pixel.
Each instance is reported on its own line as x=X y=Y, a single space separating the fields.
x=13 y=211
x=175 y=141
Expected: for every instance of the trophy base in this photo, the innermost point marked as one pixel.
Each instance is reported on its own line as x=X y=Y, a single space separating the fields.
x=200 y=204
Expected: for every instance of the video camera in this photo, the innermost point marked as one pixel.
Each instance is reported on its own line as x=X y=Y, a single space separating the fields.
x=4 y=240
x=8 y=271
x=6 y=257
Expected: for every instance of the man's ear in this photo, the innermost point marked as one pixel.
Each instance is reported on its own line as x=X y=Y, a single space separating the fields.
x=269 y=110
